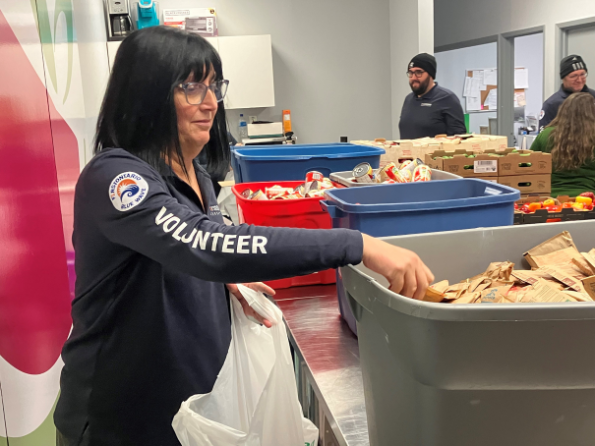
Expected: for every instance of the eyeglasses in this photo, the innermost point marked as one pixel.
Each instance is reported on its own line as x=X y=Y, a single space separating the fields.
x=417 y=74
x=576 y=76
x=196 y=91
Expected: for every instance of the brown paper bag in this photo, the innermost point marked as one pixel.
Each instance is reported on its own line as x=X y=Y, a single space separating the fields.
x=558 y=249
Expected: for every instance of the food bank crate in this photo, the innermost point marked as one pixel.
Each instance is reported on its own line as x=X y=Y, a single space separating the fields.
x=292 y=162
x=344 y=178
x=489 y=374
x=413 y=208
x=304 y=213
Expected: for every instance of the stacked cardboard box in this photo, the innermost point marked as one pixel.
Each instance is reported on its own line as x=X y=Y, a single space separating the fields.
x=400 y=150
x=529 y=172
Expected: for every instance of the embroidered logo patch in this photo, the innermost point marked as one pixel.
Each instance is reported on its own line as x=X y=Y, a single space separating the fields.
x=128 y=190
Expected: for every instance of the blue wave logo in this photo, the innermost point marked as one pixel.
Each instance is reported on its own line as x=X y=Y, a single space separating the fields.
x=128 y=188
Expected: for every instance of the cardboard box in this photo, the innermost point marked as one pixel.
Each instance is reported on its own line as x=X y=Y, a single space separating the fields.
x=528 y=184
x=477 y=145
x=497 y=142
x=525 y=162
x=481 y=166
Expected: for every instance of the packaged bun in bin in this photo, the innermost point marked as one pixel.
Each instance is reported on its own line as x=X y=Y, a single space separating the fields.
x=422 y=173
x=408 y=167
x=258 y=195
x=314 y=187
x=391 y=174
x=277 y=190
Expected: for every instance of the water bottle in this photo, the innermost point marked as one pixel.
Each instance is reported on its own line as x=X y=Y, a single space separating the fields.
x=243 y=127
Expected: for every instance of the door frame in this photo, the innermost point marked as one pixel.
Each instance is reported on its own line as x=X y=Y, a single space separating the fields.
x=562 y=30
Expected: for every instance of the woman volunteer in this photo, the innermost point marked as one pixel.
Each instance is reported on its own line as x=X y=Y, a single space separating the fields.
x=154 y=261
x=570 y=138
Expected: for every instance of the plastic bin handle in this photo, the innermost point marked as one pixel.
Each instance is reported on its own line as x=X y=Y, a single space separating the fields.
x=333 y=210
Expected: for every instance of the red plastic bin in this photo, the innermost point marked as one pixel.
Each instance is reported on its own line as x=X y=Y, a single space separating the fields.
x=304 y=213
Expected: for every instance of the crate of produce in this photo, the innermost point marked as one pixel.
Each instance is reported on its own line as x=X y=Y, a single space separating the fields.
x=413 y=208
x=304 y=213
x=496 y=374
x=292 y=162
x=544 y=209
x=346 y=178
x=464 y=163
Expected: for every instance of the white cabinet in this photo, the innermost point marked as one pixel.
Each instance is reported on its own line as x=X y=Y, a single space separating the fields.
x=247 y=64
x=112 y=49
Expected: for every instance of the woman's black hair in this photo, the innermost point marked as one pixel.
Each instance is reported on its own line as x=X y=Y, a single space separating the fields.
x=138 y=113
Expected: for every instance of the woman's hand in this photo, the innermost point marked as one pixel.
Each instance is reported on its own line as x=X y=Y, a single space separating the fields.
x=248 y=310
x=404 y=270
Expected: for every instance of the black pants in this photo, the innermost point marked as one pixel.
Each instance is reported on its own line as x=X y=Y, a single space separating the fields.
x=61 y=440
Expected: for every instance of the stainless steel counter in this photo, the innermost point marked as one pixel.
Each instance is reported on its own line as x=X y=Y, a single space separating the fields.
x=327 y=363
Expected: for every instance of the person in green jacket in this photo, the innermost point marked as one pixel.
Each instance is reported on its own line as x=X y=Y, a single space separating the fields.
x=570 y=138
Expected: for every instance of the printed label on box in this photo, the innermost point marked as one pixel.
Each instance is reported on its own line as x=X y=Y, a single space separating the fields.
x=485 y=166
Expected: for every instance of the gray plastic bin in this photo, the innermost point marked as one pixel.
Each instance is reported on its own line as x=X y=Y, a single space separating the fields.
x=475 y=375
x=344 y=177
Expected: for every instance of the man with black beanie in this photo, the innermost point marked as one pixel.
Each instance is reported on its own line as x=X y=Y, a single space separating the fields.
x=430 y=110
x=573 y=72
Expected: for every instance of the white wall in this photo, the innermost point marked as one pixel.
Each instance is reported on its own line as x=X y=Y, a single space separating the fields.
x=528 y=53
x=91 y=37
x=331 y=62
x=582 y=41
x=452 y=68
x=411 y=33
x=464 y=20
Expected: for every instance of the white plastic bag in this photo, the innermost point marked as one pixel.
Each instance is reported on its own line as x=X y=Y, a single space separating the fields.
x=254 y=400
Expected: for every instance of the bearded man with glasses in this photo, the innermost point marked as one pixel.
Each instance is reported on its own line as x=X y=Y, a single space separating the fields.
x=431 y=109
x=573 y=72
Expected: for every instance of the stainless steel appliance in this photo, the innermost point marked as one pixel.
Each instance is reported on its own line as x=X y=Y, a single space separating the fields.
x=119 y=21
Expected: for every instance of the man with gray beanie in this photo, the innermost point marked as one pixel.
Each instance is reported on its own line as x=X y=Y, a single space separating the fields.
x=430 y=110
x=573 y=72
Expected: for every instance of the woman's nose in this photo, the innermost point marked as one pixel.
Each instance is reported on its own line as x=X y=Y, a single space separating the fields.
x=210 y=101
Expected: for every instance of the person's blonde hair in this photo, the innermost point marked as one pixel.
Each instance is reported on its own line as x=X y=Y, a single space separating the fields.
x=573 y=138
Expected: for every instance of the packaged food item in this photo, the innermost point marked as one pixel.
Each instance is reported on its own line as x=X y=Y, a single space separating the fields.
x=300 y=191
x=363 y=173
x=258 y=195
x=316 y=193
x=327 y=184
x=405 y=163
x=558 y=249
x=313 y=179
x=317 y=184
x=555 y=278
x=422 y=173
x=277 y=190
x=407 y=168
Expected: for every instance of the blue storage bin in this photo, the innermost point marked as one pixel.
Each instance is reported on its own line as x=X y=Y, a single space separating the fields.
x=415 y=208
x=292 y=162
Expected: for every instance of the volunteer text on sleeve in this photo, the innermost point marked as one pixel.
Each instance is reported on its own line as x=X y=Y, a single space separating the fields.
x=151 y=320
